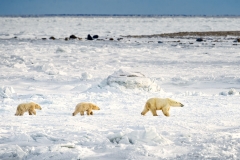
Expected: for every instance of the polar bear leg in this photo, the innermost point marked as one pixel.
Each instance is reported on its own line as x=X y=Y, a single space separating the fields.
x=33 y=112
x=154 y=112
x=82 y=113
x=145 y=110
x=74 y=113
x=30 y=113
x=166 y=112
x=17 y=113
x=89 y=112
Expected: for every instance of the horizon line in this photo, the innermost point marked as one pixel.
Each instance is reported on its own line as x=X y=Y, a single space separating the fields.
x=115 y=15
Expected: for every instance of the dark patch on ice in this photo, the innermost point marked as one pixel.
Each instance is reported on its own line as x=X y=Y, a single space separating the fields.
x=199 y=39
x=89 y=37
x=95 y=36
x=132 y=76
x=73 y=37
x=52 y=38
x=189 y=34
x=130 y=141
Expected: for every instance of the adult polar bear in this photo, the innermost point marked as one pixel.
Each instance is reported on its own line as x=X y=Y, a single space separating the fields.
x=27 y=107
x=164 y=104
x=85 y=106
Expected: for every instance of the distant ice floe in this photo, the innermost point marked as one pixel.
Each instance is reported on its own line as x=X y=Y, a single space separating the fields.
x=147 y=136
x=132 y=80
x=7 y=92
x=232 y=91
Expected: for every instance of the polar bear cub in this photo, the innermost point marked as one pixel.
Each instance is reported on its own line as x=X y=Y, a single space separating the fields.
x=164 y=104
x=85 y=106
x=27 y=107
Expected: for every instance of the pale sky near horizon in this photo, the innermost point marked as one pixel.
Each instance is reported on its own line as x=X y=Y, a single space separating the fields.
x=142 y=7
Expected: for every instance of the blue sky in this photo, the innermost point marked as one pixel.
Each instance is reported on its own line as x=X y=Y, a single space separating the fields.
x=144 y=7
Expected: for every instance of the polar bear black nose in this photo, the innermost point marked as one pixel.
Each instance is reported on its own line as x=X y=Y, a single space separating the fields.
x=182 y=105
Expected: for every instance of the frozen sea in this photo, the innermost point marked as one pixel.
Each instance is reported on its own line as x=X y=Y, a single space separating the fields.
x=119 y=76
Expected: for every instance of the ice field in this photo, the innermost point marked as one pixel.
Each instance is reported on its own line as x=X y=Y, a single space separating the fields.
x=119 y=76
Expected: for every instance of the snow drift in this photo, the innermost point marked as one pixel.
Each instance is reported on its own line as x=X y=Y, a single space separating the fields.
x=132 y=80
x=6 y=92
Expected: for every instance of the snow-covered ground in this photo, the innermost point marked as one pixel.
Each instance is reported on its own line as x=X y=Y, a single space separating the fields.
x=119 y=76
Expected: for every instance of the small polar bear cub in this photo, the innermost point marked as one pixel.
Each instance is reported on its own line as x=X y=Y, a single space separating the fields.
x=164 y=104
x=27 y=107
x=85 y=106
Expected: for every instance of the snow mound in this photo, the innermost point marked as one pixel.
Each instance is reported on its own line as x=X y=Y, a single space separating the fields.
x=7 y=92
x=232 y=91
x=60 y=50
x=86 y=75
x=63 y=50
x=193 y=93
x=132 y=80
x=81 y=87
x=20 y=66
x=13 y=152
x=21 y=137
x=181 y=81
x=49 y=69
x=147 y=136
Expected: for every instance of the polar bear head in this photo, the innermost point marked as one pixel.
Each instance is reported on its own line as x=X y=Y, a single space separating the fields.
x=174 y=103
x=94 y=107
x=37 y=106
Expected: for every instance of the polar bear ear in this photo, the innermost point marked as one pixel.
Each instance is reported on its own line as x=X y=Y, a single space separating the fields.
x=37 y=106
